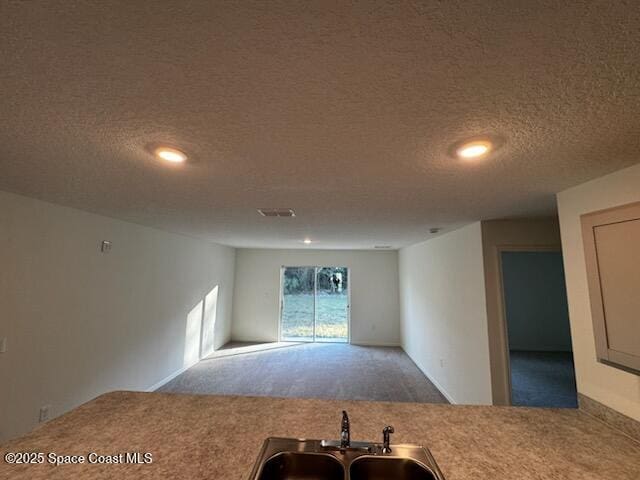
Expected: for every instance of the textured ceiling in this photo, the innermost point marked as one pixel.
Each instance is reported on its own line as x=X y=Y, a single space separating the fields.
x=342 y=111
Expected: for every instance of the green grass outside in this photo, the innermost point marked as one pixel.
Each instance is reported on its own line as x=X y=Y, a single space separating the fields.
x=332 y=316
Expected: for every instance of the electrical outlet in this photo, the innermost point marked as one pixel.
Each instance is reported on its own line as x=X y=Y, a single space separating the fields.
x=44 y=413
x=442 y=363
x=3 y=344
x=105 y=246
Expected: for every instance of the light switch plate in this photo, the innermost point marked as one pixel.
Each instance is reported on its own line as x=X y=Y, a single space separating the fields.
x=44 y=413
x=3 y=344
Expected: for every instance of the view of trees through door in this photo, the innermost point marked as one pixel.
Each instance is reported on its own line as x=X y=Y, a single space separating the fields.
x=314 y=306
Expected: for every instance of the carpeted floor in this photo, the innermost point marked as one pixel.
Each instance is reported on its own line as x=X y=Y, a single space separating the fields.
x=334 y=371
x=543 y=379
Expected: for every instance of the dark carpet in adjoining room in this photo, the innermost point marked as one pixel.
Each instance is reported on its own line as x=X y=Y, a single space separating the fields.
x=334 y=371
x=543 y=379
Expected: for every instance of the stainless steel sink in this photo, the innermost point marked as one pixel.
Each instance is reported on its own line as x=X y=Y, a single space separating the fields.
x=288 y=458
x=302 y=466
x=383 y=468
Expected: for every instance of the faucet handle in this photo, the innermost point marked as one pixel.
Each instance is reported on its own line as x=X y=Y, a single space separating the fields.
x=345 y=431
x=386 y=438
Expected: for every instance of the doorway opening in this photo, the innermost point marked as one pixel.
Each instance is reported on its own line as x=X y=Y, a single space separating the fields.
x=542 y=372
x=314 y=304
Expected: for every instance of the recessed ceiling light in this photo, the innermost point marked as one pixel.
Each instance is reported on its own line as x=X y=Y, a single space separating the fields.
x=306 y=241
x=474 y=149
x=170 y=154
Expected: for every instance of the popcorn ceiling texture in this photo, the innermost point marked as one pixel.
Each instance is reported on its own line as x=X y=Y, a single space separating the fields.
x=216 y=437
x=344 y=111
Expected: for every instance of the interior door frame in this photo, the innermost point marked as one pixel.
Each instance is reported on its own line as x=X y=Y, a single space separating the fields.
x=502 y=310
x=315 y=293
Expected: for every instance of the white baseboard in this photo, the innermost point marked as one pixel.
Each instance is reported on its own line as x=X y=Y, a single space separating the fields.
x=375 y=344
x=249 y=340
x=432 y=380
x=156 y=386
x=439 y=387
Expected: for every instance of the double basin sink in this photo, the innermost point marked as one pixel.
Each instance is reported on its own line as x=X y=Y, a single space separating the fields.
x=295 y=459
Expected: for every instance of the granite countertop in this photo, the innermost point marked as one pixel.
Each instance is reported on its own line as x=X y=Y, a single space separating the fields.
x=219 y=437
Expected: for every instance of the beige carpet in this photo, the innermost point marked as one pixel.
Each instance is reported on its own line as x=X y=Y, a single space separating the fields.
x=332 y=371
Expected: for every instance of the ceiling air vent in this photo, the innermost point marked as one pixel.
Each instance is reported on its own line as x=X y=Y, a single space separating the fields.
x=276 y=212
x=382 y=247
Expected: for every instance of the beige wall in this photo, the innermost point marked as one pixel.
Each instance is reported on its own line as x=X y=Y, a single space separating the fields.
x=80 y=323
x=374 y=292
x=517 y=235
x=615 y=388
x=443 y=313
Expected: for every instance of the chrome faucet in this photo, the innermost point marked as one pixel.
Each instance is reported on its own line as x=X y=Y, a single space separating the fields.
x=345 y=442
x=386 y=439
x=345 y=432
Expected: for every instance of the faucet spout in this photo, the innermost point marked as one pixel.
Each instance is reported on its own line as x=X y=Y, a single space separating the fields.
x=345 y=431
x=386 y=439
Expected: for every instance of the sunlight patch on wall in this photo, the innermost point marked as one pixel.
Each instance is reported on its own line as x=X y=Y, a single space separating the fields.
x=192 y=335
x=209 y=322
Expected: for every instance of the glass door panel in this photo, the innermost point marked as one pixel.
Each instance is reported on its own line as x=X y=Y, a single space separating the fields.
x=297 y=309
x=314 y=306
x=332 y=305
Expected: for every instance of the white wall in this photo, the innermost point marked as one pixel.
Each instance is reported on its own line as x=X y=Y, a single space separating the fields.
x=443 y=313
x=615 y=388
x=374 y=292
x=80 y=323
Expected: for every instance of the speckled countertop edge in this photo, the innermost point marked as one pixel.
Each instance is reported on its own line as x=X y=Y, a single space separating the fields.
x=205 y=437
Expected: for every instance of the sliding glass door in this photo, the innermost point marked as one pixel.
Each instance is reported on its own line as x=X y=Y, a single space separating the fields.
x=332 y=304
x=314 y=304
x=297 y=304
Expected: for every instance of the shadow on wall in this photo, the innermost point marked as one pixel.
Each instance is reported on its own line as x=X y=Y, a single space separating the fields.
x=200 y=329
